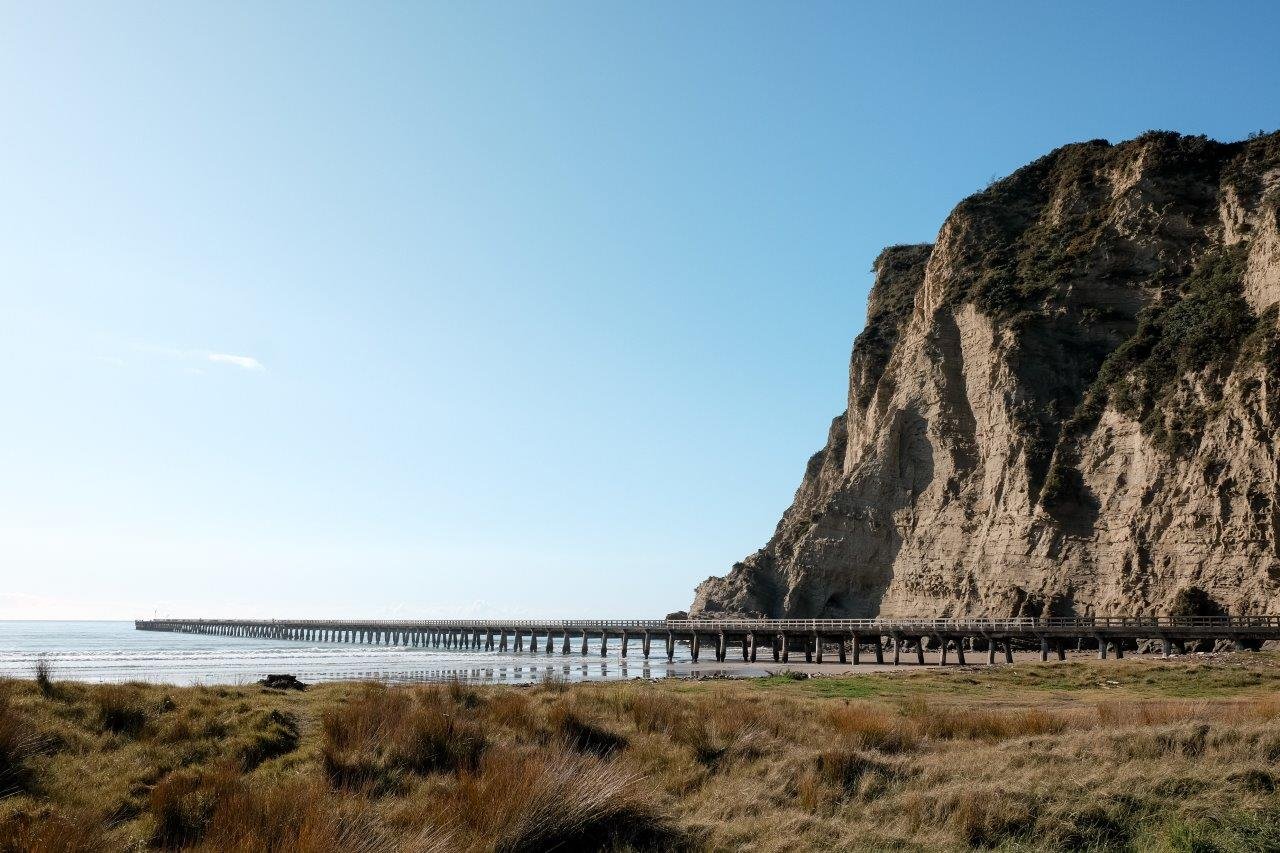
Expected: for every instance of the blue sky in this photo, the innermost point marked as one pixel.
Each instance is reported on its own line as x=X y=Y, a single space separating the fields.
x=508 y=308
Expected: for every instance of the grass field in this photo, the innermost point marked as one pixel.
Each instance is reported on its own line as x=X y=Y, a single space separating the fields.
x=1137 y=754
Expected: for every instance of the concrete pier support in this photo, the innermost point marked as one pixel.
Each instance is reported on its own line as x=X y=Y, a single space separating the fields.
x=817 y=647
x=626 y=641
x=645 y=643
x=551 y=641
x=991 y=652
x=920 y=651
x=746 y=649
x=808 y=650
x=671 y=646
x=604 y=643
x=942 y=652
x=773 y=647
x=564 y=645
x=1062 y=650
x=879 y=647
x=1119 y=649
x=584 y=643
x=1008 y=650
x=1044 y=649
x=960 y=651
x=856 y=645
x=693 y=647
x=722 y=647
x=786 y=648
x=519 y=640
x=1167 y=647
x=844 y=658
x=897 y=650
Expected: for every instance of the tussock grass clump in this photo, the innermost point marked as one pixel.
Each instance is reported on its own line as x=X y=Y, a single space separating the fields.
x=52 y=832
x=652 y=712
x=19 y=743
x=44 y=678
x=121 y=708
x=371 y=742
x=582 y=734
x=948 y=723
x=1119 y=714
x=271 y=734
x=524 y=801
x=873 y=728
x=224 y=811
x=183 y=804
x=1232 y=832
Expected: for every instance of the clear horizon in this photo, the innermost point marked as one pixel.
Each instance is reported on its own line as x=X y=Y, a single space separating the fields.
x=418 y=311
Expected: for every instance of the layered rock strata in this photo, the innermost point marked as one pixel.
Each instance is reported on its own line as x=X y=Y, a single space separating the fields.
x=1068 y=404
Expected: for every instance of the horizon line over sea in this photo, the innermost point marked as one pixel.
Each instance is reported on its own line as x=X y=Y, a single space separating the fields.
x=111 y=650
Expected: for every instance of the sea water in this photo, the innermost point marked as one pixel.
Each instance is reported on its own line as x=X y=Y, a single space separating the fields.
x=115 y=651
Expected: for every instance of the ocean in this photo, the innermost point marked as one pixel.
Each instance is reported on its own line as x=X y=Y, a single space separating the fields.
x=115 y=651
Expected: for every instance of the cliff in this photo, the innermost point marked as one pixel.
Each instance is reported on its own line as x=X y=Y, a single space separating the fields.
x=1069 y=403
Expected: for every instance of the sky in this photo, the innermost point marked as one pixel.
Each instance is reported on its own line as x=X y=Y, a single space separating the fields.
x=406 y=310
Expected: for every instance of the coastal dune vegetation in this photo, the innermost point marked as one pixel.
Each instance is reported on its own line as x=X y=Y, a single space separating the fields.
x=1181 y=755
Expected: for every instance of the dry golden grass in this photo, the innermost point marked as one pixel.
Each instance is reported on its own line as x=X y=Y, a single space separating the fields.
x=379 y=738
x=776 y=765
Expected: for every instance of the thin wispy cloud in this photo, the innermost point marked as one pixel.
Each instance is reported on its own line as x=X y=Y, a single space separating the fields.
x=245 y=362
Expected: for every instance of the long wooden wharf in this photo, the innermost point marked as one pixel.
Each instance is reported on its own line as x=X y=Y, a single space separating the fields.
x=780 y=638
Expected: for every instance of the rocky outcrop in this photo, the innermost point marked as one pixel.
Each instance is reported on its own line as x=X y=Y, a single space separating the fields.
x=1068 y=404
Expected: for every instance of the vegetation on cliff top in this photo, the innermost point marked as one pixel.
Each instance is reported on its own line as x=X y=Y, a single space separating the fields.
x=899 y=273
x=1081 y=755
x=1029 y=236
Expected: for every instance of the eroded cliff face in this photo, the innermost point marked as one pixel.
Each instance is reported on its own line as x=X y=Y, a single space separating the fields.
x=1069 y=403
